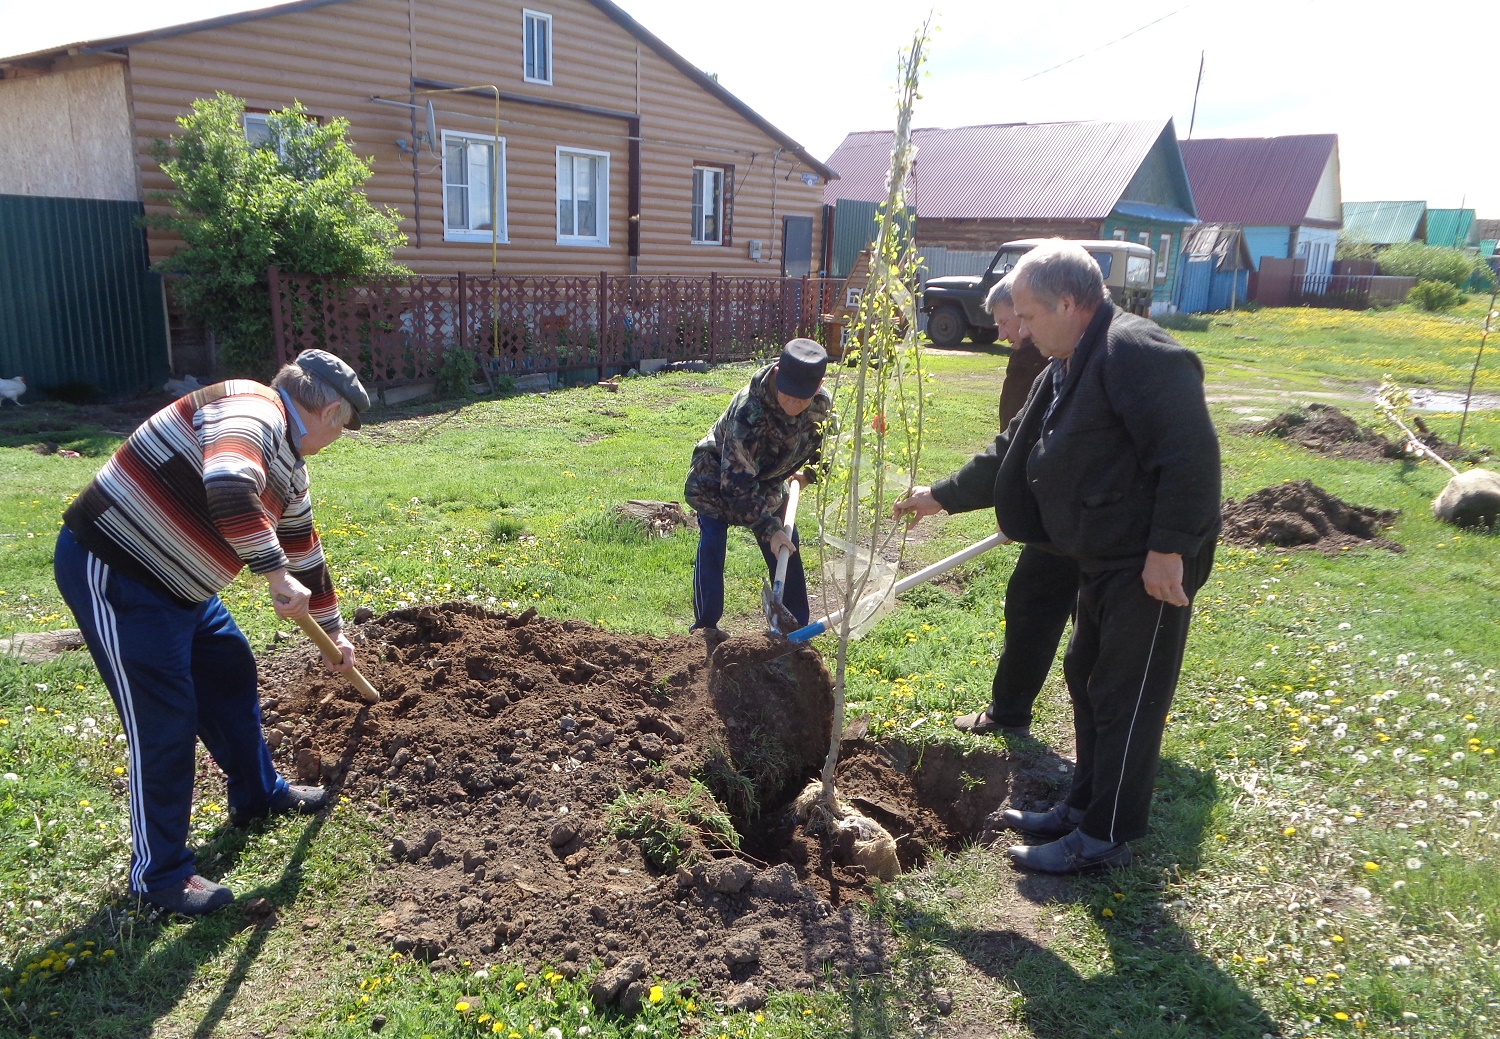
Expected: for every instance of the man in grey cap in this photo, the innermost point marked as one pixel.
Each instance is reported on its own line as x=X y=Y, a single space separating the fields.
x=771 y=432
x=211 y=484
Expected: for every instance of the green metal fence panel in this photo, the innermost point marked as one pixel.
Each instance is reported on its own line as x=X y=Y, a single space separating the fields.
x=854 y=227
x=80 y=309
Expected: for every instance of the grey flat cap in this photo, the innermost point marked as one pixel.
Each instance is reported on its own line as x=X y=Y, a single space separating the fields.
x=800 y=368
x=325 y=367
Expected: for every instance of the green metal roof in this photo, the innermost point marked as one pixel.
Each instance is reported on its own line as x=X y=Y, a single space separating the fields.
x=1450 y=227
x=1383 y=223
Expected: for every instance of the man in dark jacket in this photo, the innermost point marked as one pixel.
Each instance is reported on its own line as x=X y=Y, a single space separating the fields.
x=1042 y=589
x=739 y=472
x=1114 y=462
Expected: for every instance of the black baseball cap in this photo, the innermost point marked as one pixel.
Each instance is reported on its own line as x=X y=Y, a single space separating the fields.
x=325 y=367
x=800 y=368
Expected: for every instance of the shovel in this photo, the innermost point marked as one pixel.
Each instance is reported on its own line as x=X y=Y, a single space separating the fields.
x=871 y=602
x=775 y=645
x=331 y=653
x=778 y=618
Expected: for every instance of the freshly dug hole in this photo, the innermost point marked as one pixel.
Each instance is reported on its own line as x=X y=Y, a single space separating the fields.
x=502 y=741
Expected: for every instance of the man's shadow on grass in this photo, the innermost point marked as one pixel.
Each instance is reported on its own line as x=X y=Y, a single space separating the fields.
x=1152 y=984
x=154 y=972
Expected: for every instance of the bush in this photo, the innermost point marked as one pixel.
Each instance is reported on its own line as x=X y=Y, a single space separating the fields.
x=1432 y=263
x=297 y=203
x=1434 y=295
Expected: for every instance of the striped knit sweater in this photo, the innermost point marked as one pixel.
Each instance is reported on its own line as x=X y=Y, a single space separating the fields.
x=207 y=486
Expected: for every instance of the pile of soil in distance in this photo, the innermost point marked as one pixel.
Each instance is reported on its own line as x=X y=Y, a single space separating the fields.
x=1300 y=514
x=500 y=743
x=1328 y=431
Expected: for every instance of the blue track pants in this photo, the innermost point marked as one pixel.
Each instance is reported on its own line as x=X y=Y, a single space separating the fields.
x=176 y=674
x=708 y=575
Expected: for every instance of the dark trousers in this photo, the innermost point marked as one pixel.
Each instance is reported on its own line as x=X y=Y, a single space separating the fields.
x=1122 y=665
x=708 y=575
x=176 y=674
x=1039 y=599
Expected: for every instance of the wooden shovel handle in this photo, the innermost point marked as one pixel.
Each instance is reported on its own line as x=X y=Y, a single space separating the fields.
x=334 y=655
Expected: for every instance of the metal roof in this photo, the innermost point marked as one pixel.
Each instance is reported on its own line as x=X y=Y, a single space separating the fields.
x=1383 y=223
x=1257 y=181
x=253 y=12
x=1451 y=227
x=1224 y=242
x=1007 y=171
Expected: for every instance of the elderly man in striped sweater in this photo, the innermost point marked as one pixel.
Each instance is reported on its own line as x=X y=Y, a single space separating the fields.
x=209 y=485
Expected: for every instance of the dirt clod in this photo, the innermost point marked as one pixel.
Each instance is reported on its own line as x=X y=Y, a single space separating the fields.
x=1300 y=514
x=1328 y=431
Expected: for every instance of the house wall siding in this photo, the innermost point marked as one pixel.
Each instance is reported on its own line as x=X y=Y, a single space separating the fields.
x=334 y=58
x=1275 y=242
x=67 y=135
x=1327 y=200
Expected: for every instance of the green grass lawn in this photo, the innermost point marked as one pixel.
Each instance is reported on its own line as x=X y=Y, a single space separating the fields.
x=1323 y=856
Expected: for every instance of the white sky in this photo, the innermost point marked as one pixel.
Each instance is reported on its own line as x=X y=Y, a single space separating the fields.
x=1409 y=89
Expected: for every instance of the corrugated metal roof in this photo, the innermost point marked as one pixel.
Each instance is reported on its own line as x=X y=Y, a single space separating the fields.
x=1383 y=223
x=1222 y=242
x=1014 y=171
x=1257 y=181
x=1450 y=227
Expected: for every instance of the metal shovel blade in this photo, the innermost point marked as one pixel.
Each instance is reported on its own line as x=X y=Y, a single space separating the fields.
x=778 y=618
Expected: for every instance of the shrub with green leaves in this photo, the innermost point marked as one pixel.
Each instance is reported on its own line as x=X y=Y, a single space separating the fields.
x=1455 y=267
x=1434 y=295
x=295 y=201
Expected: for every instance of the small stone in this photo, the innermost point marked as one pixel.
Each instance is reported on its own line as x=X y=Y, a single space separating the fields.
x=363 y=615
x=377 y=1022
x=741 y=949
x=565 y=832
x=311 y=923
x=942 y=999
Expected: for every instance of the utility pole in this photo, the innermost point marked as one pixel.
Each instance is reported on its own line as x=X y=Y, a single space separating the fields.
x=1197 y=87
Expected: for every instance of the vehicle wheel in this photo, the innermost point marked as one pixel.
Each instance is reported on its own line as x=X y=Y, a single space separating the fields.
x=947 y=327
x=985 y=336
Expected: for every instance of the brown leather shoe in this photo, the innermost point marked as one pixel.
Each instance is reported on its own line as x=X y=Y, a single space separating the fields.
x=983 y=724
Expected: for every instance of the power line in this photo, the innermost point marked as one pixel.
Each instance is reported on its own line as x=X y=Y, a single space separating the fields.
x=1111 y=43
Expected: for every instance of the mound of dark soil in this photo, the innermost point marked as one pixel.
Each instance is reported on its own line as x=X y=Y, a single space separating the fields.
x=1328 y=431
x=500 y=744
x=1301 y=514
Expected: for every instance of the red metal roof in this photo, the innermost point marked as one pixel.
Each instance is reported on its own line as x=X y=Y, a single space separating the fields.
x=1257 y=181
x=1012 y=171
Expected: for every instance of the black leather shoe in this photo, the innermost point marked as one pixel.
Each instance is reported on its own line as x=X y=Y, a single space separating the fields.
x=302 y=799
x=1066 y=856
x=1052 y=823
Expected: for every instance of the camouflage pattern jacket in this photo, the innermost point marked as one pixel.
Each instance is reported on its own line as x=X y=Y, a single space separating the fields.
x=739 y=471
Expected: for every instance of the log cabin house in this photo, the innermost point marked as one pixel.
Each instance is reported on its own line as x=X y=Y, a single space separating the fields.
x=545 y=137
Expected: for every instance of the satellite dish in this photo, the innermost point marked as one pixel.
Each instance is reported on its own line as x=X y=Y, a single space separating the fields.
x=432 y=134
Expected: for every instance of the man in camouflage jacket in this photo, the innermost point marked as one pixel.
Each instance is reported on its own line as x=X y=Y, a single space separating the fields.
x=771 y=430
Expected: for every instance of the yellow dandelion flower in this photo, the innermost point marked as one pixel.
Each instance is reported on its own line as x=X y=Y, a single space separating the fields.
x=1289 y=831
x=520 y=986
x=1372 y=867
x=1309 y=981
x=1107 y=912
x=1339 y=1015
x=461 y=1006
x=656 y=994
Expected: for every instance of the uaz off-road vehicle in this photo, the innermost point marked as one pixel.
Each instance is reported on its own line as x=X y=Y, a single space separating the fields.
x=954 y=305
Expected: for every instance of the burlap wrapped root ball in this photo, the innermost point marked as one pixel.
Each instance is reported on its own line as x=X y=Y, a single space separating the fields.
x=870 y=844
x=1471 y=499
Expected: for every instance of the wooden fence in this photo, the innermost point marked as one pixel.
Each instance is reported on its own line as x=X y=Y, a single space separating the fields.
x=408 y=329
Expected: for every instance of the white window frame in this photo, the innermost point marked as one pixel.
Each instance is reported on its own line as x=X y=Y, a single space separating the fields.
x=601 y=196
x=699 y=212
x=1163 y=258
x=260 y=119
x=1118 y=234
x=1144 y=237
x=529 y=19
x=501 y=232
